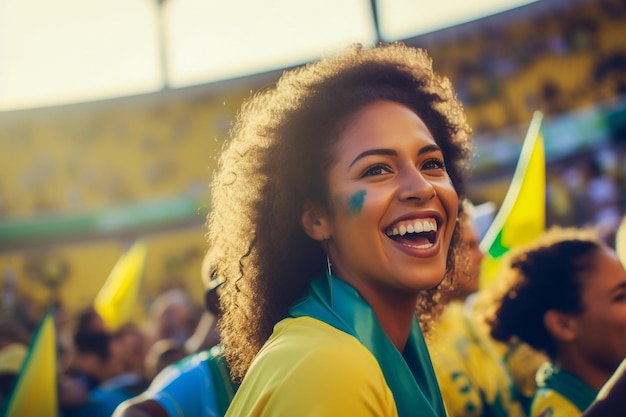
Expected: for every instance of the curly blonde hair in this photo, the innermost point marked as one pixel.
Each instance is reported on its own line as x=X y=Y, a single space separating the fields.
x=278 y=155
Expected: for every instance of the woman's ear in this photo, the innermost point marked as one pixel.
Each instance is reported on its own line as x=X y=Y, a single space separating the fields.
x=315 y=221
x=560 y=325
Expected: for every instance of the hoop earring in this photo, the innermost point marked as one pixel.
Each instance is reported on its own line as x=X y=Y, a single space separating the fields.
x=329 y=274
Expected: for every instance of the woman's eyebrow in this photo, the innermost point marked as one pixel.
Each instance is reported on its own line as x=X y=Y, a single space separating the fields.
x=429 y=148
x=388 y=152
x=391 y=152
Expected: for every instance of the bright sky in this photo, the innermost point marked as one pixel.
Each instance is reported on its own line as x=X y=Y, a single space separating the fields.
x=63 y=51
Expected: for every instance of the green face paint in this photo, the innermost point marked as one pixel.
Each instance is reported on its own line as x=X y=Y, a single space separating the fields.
x=355 y=203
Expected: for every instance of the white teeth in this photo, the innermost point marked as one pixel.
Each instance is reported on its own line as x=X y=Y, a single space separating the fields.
x=417 y=227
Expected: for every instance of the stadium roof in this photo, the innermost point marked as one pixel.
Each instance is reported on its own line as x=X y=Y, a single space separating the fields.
x=74 y=50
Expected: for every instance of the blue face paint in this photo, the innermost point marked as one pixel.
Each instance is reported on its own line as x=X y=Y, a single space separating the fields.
x=355 y=204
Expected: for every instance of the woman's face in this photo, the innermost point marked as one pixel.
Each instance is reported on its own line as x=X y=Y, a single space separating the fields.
x=601 y=327
x=393 y=206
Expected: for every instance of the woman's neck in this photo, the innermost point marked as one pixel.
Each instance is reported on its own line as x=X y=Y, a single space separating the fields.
x=581 y=368
x=394 y=313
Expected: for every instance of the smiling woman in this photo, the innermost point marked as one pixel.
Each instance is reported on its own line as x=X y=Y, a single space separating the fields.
x=342 y=182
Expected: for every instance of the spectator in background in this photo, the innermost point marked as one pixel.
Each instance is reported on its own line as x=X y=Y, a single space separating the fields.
x=172 y=316
x=567 y=298
x=74 y=384
x=520 y=360
x=611 y=400
x=13 y=347
x=603 y=198
x=88 y=320
x=473 y=380
x=197 y=386
x=207 y=332
x=99 y=366
x=163 y=353
x=94 y=361
x=134 y=348
x=574 y=179
x=169 y=350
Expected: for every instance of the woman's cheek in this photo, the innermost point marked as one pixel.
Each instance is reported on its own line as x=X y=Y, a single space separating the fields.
x=351 y=204
x=355 y=202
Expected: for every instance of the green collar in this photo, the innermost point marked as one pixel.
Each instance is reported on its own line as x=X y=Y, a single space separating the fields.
x=409 y=375
x=571 y=387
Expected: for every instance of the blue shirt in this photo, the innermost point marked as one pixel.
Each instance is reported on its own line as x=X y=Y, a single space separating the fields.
x=186 y=388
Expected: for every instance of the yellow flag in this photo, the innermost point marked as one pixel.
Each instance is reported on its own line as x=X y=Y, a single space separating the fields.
x=116 y=300
x=35 y=392
x=521 y=217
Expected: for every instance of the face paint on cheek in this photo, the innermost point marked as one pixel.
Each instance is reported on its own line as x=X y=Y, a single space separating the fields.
x=355 y=202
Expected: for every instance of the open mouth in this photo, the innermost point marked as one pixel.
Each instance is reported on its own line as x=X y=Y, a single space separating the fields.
x=420 y=234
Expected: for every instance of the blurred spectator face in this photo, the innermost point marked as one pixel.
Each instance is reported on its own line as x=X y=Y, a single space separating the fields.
x=175 y=318
x=96 y=323
x=172 y=314
x=116 y=364
x=90 y=321
x=600 y=329
x=133 y=349
x=466 y=280
x=99 y=355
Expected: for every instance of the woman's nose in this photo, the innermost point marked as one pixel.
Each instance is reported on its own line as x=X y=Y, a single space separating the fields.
x=416 y=186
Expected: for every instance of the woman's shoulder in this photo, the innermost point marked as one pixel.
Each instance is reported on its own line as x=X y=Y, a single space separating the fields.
x=308 y=346
x=311 y=339
x=309 y=365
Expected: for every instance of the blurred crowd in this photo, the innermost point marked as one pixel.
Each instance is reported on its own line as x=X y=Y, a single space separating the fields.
x=98 y=367
x=588 y=190
x=566 y=57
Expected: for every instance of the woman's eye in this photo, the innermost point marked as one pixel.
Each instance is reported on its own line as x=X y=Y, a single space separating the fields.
x=620 y=297
x=377 y=169
x=434 y=164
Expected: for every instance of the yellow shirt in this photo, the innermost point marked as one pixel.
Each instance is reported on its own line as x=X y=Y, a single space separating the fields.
x=520 y=360
x=522 y=363
x=549 y=403
x=473 y=380
x=308 y=368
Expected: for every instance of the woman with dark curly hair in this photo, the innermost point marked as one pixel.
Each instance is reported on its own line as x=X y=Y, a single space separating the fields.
x=333 y=219
x=566 y=296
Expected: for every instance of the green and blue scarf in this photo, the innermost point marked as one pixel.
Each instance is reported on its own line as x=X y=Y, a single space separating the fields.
x=568 y=385
x=409 y=375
